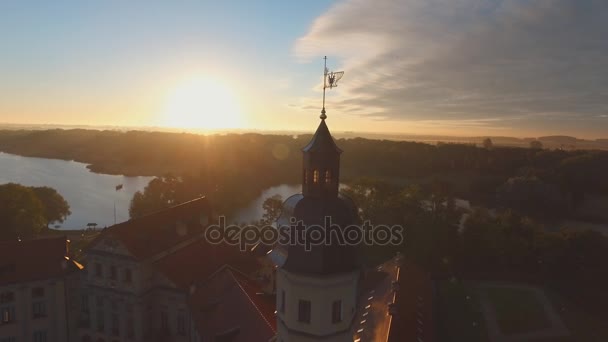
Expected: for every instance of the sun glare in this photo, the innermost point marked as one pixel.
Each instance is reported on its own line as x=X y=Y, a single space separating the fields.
x=202 y=103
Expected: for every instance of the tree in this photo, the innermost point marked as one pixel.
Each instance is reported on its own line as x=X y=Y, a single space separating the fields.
x=21 y=212
x=56 y=208
x=272 y=209
x=536 y=145
x=531 y=196
x=160 y=193
x=488 y=144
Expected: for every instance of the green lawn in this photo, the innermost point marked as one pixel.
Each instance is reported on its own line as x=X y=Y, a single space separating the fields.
x=517 y=310
x=583 y=326
x=459 y=317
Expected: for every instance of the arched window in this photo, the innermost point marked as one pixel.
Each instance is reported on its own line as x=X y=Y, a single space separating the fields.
x=315 y=176
x=327 y=176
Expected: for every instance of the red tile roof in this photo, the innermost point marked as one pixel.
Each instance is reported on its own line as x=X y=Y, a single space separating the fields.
x=151 y=234
x=229 y=307
x=414 y=318
x=30 y=260
x=200 y=259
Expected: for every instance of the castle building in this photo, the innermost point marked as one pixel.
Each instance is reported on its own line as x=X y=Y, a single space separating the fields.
x=38 y=283
x=156 y=278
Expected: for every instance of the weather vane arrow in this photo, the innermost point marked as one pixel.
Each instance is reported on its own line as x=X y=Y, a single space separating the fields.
x=330 y=80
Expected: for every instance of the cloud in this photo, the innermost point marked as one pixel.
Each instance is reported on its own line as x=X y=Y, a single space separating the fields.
x=509 y=61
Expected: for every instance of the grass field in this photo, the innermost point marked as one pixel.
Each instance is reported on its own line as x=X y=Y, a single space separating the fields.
x=517 y=310
x=459 y=314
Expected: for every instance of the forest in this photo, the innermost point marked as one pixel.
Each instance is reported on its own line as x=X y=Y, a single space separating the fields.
x=546 y=184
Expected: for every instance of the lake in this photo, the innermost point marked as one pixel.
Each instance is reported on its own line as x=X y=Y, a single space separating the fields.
x=91 y=196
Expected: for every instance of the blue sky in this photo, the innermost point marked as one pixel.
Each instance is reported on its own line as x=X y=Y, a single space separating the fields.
x=460 y=67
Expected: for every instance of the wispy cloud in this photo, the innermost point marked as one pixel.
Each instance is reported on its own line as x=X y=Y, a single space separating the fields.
x=443 y=60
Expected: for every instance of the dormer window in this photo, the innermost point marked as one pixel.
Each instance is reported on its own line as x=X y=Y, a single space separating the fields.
x=327 y=177
x=315 y=176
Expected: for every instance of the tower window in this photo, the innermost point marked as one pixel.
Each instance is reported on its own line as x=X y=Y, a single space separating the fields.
x=315 y=176
x=327 y=176
x=336 y=311
x=304 y=311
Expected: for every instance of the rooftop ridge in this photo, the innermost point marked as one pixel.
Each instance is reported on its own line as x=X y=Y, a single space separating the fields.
x=158 y=211
x=251 y=301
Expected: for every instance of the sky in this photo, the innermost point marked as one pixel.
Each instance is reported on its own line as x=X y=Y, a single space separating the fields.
x=452 y=67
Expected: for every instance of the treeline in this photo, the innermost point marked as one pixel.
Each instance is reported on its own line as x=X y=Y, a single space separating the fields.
x=483 y=244
x=241 y=165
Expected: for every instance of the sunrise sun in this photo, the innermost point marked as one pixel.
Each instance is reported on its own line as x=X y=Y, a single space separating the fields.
x=204 y=103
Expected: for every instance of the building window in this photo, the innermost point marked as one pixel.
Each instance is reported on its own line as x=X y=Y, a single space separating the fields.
x=8 y=314
x=98 y=270
x=304 y=311
x=38 y=309
x=282 y=307
x=113 y=272
x=164 y=320
x=315 y=176
x=181 y=323
x=100 y=321
x=115 y=325
x=84 y=303
x=336 y=311
x=37 y=292
x=128 y=276
x=327 y=177
x=40 y=336
x=130 y=328
x=7 y=297
x=99 y=302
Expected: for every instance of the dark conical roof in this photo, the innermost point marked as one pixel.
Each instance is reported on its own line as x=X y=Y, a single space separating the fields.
x=322 y=141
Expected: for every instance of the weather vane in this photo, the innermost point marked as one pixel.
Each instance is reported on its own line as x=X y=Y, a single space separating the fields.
x=330 y=80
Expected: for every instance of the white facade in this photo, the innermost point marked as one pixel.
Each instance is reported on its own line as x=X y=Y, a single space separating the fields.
x=37 y=310
x=333 y=303
x=123 y=299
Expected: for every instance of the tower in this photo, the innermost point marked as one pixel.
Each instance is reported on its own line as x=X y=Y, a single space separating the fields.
x=317 y=287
